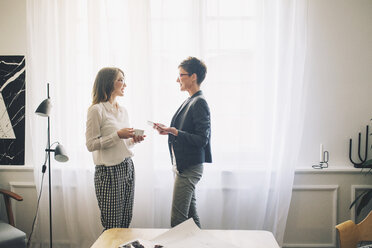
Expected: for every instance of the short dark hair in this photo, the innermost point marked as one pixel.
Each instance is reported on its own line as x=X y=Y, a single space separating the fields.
x=194 y=65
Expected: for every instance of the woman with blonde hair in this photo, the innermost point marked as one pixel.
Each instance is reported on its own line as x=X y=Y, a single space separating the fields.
x=110 y=139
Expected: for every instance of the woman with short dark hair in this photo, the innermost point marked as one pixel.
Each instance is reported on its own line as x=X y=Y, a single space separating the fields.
x=189 y=137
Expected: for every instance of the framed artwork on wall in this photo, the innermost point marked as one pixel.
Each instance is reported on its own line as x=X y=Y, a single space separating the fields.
x=12 y=110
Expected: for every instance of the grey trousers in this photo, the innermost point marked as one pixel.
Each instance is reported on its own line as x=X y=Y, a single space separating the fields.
x=184 y=201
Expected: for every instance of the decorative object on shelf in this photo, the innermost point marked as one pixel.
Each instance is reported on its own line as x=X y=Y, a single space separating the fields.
x=364 y=163
x=362 y=201
x=59 y=155
x=12 y=110
x=323 y=160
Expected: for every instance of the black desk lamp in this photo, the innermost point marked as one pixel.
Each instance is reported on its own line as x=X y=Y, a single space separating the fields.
x=59 y=155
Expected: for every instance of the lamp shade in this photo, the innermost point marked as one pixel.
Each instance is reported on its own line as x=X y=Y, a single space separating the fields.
x=44 y=108
x=60 y=154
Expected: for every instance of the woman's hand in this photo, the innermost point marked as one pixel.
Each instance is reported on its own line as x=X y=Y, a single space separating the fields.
x=160 y=128
x=139 y=138
x=163 y=130
x=126 y=133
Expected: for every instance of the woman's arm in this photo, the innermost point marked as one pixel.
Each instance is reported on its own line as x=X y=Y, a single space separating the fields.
x=202 y=123
x=94 y=140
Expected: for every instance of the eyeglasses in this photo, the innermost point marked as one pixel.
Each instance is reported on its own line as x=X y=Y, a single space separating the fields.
x=183 y=74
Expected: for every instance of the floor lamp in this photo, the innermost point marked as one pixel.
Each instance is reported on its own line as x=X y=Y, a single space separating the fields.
x=59 y=155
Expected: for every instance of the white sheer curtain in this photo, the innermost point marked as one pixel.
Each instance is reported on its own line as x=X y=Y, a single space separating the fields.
x=255 y=53
x=69 y=41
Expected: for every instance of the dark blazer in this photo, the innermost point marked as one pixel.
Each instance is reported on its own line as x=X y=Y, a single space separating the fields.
x=192 y=145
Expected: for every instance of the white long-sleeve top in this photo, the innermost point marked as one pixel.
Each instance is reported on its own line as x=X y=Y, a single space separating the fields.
x=103 y=122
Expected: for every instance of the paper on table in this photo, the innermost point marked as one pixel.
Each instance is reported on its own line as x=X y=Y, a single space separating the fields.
x=187 y=234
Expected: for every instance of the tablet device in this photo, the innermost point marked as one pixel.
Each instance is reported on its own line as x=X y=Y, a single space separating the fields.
x=151 y=123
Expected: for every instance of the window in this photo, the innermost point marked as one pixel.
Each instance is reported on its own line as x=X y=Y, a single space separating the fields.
x=223 y=34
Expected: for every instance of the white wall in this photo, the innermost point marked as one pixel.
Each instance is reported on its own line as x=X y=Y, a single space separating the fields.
x=13 y=27
x=339 y=74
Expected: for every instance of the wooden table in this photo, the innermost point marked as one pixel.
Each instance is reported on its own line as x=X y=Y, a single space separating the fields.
x=112 y=238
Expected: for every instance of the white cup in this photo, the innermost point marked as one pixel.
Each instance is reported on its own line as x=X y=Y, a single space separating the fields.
x=138 y=132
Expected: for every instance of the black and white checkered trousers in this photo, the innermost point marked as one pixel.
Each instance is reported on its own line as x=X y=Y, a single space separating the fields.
x=115 y=193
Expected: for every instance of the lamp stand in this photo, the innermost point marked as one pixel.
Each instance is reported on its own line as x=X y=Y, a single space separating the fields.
x=50 y=185
x=59 y=155
x=50 y=181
